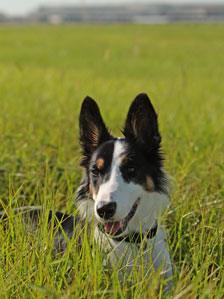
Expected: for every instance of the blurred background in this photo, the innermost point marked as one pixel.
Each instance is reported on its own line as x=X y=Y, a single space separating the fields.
x=145 y=11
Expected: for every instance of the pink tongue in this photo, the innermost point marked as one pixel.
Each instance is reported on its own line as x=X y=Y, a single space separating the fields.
x=112 y=227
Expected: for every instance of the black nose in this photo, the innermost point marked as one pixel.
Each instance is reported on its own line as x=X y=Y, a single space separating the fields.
x=106 y=210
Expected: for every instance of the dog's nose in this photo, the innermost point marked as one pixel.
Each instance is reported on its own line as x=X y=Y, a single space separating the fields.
x=106 y=210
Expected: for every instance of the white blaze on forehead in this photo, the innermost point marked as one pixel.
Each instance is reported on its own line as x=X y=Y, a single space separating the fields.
x=119 y=149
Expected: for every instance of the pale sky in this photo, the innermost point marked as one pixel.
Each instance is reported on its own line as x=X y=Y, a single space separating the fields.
x=24 y=6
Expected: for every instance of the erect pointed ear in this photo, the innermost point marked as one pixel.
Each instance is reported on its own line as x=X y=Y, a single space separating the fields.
x=93 y=131
x=141 y=126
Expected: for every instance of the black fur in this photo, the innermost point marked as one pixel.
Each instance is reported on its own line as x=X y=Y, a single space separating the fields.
x=141 y=126
x=139 y=165
x=90 y=119
x=93 y=131
x=142 y=135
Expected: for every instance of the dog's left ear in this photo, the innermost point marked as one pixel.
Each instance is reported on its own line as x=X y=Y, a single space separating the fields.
x=141 y=126
x=93 y=130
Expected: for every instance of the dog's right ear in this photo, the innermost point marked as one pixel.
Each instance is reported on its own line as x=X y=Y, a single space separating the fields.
x=93 y=130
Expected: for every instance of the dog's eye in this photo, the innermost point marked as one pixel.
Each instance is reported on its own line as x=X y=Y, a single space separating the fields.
x=131 y=171
x=95 y=171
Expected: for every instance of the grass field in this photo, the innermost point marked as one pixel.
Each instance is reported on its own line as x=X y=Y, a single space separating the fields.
x=45 y=72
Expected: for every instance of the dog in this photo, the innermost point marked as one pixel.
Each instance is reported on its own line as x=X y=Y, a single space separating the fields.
x=124 y=189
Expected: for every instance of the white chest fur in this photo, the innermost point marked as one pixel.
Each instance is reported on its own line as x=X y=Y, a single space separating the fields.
x=152 y=254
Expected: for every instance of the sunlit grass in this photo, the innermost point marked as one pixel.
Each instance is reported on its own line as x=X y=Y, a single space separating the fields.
x=45 y=72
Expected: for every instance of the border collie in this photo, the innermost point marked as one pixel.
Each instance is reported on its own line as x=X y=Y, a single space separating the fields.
x=124 y=189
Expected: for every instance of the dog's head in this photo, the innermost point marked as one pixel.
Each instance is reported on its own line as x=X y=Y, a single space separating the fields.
x=124 y=185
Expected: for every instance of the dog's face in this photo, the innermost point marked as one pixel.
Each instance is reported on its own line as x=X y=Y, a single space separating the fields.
x=124 y=187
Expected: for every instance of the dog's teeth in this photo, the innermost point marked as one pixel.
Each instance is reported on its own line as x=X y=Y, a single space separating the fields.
x=112 y=227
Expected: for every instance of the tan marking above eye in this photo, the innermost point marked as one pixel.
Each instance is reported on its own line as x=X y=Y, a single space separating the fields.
x=149 y=184
x=100 y=163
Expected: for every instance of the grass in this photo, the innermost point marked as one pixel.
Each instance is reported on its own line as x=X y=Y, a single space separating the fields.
x=45 y=72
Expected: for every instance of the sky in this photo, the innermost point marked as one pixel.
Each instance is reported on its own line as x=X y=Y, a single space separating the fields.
x=20 y=7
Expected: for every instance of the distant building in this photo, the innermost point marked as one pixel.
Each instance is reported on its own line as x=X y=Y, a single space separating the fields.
x=132 y=13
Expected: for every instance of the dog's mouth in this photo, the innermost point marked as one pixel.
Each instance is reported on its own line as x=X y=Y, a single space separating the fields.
x=117 y=227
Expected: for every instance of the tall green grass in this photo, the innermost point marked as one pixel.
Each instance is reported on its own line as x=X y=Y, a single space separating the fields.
x=45 y=72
